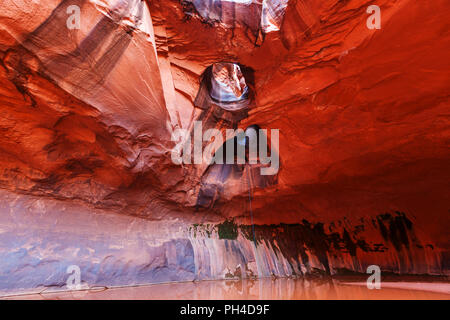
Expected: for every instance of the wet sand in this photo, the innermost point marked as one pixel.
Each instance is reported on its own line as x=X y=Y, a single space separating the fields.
x=265 y=289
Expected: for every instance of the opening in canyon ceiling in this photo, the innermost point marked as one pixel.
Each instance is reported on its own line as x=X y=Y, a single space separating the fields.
x=165 y=141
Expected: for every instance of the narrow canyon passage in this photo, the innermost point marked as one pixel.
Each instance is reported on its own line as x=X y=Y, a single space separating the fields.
x=169 y=141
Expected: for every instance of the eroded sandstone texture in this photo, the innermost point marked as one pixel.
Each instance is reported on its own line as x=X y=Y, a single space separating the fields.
x=87 y=116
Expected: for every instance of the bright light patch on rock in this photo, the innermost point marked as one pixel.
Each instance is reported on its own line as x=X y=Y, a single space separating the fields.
x=228 y=83
x=133 y=13
x=268 y=13
x=272 y=14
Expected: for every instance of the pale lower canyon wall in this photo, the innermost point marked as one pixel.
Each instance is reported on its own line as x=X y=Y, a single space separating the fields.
x=41 y=238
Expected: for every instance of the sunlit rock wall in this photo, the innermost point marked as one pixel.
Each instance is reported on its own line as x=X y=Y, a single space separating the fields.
x=41 y=239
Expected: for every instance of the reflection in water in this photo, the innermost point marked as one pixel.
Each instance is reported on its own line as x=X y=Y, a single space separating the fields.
x=266 y=289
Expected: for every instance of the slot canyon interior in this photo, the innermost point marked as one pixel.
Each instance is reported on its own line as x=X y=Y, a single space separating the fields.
x=358 y=118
